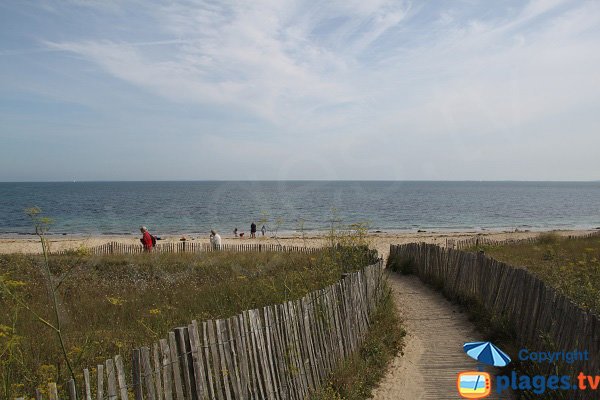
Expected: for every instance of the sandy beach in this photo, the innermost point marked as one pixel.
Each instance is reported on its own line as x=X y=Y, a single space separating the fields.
x=380 y=241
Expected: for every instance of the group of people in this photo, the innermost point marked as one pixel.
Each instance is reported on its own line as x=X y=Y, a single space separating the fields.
x=239 y=234
x=149 y=241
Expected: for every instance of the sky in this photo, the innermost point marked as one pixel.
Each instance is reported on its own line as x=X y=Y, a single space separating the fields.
x=278 y=89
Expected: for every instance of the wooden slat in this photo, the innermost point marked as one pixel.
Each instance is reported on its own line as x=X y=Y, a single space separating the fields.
x=100 y=389
x=198 y=360
x=157 y=372
x=241 y=345
x=232 y=362
x=225 y=371
x=86 y=382
x=111 y=378
x=216 y=362
x=167 y=370
x=136 y=368
x=177 y=382
x=71 y=389
x=148 y=374
x=52 y=391
x=183 y=351
x=121 y=377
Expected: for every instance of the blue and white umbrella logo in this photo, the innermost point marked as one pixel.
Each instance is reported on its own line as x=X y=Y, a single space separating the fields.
x=486 y=353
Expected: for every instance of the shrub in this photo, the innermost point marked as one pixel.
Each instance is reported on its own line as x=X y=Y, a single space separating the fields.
x=548 y=238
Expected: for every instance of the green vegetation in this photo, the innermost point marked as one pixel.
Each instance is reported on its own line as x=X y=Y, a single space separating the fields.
x=109 y=305
x=405 y=266
x=358 y=376
x=570 y=265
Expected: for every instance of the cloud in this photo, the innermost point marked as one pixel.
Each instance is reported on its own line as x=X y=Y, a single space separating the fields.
x=343 y=80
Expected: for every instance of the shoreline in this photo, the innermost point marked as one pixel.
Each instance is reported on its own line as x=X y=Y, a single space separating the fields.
x=379 y=240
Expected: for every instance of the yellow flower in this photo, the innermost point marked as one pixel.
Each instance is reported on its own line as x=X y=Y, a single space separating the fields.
x=5 y=330
x=155 y=311
x=115 y=301
x=14 y=284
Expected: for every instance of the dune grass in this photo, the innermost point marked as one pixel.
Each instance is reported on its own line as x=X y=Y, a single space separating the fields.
x=570 y=265
x=111 y=304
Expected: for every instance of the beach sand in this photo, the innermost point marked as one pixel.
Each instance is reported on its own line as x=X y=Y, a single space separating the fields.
x=379 y=241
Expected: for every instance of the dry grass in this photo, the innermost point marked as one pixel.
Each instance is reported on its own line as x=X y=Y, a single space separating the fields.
x=112 y=304
x=570 y=265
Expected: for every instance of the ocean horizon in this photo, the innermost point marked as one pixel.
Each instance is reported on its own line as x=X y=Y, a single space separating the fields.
x=292 y=206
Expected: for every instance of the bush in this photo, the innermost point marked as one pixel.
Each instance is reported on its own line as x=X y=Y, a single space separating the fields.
x=405 y=266
x=548 y=238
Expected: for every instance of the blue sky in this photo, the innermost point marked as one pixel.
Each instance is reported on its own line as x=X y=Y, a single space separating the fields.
x=277 y=89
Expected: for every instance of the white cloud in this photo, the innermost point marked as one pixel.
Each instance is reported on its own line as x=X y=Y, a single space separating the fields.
x=345 y=79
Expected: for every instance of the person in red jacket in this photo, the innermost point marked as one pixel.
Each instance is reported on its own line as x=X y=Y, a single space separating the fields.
x=146 y=239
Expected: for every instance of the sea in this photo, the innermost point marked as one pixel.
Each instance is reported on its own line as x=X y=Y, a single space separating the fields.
x=194 y=208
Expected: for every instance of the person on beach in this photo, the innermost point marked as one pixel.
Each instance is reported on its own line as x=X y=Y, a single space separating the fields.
x=146 y=239
x=253 y=230
x=235 y=232
x=263 y=230
x=215 y=239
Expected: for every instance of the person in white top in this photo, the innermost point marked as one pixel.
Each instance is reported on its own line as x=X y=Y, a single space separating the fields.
x=215 y=239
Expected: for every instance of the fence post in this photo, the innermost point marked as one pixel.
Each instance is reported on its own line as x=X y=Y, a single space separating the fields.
x=52 y=391
x=137 y=375
x=88 y=387
x=72 y=390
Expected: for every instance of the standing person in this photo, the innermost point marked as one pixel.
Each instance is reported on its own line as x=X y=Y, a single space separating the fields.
x=235 y=232
x=215 y=239
x=263 y=230
x=253 y=230
x=146 y=239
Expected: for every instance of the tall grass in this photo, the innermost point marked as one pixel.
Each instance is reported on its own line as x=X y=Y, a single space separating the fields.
x=570 y=265
x=112 y=304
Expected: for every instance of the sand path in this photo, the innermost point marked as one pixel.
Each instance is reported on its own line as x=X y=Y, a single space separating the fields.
x=436 y=330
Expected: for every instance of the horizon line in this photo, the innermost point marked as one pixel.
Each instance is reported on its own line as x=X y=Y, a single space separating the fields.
x=299 y=180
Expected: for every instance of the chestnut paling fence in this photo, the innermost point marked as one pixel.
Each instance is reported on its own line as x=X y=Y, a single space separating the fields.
x=191 y=247
x=485 y=241
x=283 y=351
x=540 y=317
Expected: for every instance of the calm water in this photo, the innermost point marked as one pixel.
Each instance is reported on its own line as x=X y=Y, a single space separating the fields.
x=196 y=207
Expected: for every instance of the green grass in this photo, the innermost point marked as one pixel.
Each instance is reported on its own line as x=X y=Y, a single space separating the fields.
x=359 y=375
x=112 y=304
x=570 y=265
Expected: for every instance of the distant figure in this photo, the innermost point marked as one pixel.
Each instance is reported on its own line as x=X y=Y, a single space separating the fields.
x=253 y=230
x=235 y=232
x=263 y=230
x=146 y=239
x=215 y=239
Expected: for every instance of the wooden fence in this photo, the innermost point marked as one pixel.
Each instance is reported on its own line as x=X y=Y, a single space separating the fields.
x=486 y=241
x=190 y=247
x=284 y=351
x=541 y=318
